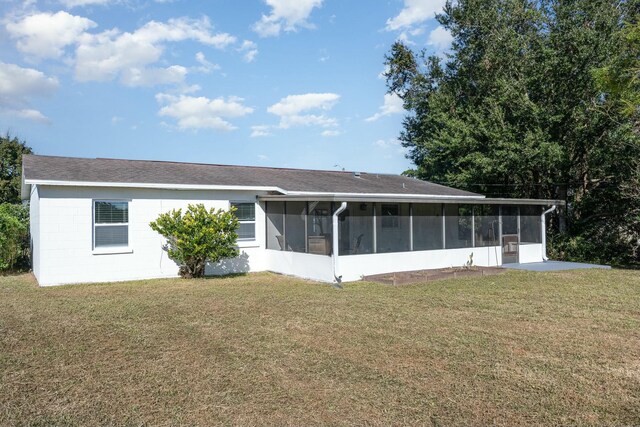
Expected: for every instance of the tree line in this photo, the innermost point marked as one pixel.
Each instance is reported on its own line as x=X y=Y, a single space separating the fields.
x=534 y=99
x=14 y=216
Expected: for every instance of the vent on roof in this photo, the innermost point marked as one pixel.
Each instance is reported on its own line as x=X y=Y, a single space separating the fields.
x=356 y=174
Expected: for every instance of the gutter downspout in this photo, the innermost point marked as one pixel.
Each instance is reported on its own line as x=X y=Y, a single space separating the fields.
x=543 y=221
x=334 y=249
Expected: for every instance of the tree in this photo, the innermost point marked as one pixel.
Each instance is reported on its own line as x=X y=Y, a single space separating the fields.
x=14 y=237
x=11 y=151
x=620 y=79
x=515 y=110
x=197 y=237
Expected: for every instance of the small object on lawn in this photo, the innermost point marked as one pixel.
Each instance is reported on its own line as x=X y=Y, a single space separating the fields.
x=469 y=263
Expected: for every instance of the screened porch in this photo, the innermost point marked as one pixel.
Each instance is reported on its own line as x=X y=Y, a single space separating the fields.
x=388 y=227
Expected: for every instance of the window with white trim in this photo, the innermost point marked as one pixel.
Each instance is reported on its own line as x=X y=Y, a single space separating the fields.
x=246 y=214
x=110 y=224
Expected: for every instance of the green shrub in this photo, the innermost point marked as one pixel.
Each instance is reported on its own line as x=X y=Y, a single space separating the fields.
x=197 y=237
x=14 y=237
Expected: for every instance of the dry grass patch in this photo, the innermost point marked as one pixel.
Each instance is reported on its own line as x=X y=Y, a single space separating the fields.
x=519 y=348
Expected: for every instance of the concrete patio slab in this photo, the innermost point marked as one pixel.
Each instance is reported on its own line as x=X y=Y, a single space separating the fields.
x=554 y=266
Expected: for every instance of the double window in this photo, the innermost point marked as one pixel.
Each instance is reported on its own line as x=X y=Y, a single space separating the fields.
x=246 y=214
x=110 y=224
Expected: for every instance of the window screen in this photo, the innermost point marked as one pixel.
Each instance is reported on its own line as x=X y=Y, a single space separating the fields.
x=486 y=225
x=427 y=227
x=111 y=224
x=530 y=224
x=458 y=226
x=392 y=227
x=246 y=214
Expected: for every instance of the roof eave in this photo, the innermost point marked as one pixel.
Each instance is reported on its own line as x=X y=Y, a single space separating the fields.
x=165 y=186
x=407 y=198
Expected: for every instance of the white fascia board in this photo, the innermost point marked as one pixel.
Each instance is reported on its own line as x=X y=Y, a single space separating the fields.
x=153 y=185
x=380 y=195
x=404 y=198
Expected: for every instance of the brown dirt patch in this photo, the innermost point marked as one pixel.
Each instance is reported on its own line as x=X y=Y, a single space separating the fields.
x=421 y=276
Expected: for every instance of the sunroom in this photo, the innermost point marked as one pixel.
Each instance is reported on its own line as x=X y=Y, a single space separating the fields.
x=372 y=235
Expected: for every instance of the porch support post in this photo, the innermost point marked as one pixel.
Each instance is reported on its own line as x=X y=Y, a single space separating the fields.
x=543 y=230
x=375 y=235
x=444 y=224
x=411 y=226
x=499 y=234
x=335 y=250
x=473 y=226
x=306 y=227
x=518 y=231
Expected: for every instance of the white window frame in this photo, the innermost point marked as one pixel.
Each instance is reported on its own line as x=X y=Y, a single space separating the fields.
x=110 y=249
x=246 y=202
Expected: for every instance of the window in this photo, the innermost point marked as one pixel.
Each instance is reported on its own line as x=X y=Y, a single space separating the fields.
x=246 y=214
x=110 y=224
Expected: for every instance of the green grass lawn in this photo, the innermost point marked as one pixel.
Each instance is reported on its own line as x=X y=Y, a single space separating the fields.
x=518 y=348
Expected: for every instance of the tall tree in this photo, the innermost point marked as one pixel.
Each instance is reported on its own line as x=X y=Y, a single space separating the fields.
x=516 y=110
x=11 y=151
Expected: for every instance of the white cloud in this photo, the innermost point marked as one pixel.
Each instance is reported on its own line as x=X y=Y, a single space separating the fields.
x=262 y=157
x=415 y=12
x=29 y=114
x=18 y=82
x=329 y=133
x=76 y=3
x=295 y=120
x=440 y=38
x=260 y=130
x=295 y=104
x=201 y=112
x=286 y=15
x=153 y=76
x=130 y=57
x=290 y=110
x=205 y=66
x=384 y=71
x=250 y=50
x=111 y=54
x=392 y=105
x=18 y=85
x=390 y=144
x=45 y=35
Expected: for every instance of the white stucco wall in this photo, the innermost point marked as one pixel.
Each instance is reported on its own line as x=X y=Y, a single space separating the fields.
x=307 y=266
x=353 y=267
x=34 y=229
x=531 y=252
x=65 y=234
x=62 y=239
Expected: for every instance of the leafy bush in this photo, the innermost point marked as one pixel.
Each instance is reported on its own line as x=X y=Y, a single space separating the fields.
x=197 y=237
x=14 y=237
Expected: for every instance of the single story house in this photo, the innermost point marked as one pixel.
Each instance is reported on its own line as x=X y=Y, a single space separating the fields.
x=90 y=220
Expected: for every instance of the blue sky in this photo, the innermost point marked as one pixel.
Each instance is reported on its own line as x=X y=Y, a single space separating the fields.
x=287 y=83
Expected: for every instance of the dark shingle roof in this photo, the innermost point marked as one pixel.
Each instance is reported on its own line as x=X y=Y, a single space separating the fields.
x=292 y=180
